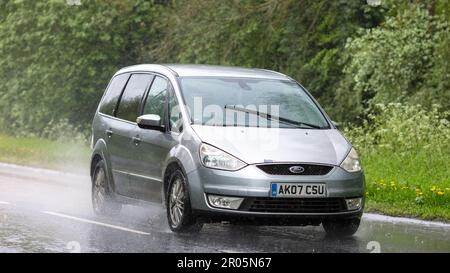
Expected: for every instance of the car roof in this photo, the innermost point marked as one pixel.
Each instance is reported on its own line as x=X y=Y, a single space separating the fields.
x=194 y=70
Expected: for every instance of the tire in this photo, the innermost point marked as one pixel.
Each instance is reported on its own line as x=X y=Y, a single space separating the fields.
x=341 y=228
x=103 y=202
x=178 y=205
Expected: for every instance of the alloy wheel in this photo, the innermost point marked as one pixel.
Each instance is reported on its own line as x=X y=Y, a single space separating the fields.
x=176 y=202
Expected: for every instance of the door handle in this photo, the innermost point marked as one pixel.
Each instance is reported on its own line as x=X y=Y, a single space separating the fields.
x=109 y=132
x=136 y=140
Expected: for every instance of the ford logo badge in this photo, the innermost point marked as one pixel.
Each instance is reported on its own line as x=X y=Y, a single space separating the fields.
x=296 y=169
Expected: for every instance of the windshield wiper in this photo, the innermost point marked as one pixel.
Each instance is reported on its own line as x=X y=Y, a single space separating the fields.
x=271 y=117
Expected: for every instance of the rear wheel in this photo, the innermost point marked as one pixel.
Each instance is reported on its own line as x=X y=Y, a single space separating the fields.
x=344 y=228
x=178 y=205
x=102 y=200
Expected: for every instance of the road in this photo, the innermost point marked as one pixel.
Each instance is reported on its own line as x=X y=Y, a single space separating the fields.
x=47 y=211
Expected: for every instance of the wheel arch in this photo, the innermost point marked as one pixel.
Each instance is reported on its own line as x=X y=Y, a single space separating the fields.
x=100 y=152
x=172 y=164
x=179 y=156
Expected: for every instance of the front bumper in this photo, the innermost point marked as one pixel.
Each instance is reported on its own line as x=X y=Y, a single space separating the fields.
x=251 y=182
x=272 y=219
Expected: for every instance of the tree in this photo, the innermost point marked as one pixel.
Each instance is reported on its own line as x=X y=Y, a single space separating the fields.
x=404 y=60
x=56 y=59
x=303 y=39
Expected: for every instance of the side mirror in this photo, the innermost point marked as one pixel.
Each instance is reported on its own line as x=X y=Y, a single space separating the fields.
x=152 y=122
x=335 y=124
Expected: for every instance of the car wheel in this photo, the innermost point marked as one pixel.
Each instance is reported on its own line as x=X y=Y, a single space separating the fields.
x=102 y=201
x=343 y=228
x=178 y=205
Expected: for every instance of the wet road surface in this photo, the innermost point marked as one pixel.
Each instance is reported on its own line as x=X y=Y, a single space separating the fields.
x=46 y=211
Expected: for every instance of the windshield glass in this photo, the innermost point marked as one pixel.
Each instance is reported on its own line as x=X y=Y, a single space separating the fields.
x=222 y=101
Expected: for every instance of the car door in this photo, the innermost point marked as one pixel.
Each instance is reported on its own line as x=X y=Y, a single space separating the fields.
x=153 y=146
x=121 y=131
x=108 y=123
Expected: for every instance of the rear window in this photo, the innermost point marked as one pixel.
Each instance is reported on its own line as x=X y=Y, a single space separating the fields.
x=109 y=102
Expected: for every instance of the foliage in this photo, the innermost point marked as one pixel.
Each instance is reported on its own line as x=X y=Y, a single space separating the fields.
x=399 y=128
x=303 y=39
x=405 y=152
x=403 y=60
x=55 y=58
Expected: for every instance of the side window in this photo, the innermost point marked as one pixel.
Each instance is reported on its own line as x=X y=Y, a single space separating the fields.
x=109 y=102
x=174 y=112
x=156 y=98
x=132 y=96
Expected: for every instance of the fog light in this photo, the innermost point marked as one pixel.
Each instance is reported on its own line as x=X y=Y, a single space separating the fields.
x=225 y=202
x=354 y=203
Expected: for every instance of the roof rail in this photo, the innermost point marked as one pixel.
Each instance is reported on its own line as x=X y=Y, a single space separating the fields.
x=171 y=70
x=275 y=72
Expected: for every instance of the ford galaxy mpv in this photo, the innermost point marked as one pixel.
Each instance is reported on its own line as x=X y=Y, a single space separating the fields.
x=214 y=143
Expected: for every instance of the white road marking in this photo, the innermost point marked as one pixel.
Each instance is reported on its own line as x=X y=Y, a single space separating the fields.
x=95 y=222
x=4 y=203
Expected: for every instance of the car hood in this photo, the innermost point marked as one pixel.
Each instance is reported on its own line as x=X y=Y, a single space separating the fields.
x=262 y=145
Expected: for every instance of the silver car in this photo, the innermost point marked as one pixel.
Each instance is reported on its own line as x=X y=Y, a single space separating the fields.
x=215 y=143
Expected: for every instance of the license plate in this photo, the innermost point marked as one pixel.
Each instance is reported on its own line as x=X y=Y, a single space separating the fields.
x=297 y=190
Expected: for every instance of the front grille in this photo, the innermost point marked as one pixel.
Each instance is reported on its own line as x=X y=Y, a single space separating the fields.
x=283 y=169
x=293 y=205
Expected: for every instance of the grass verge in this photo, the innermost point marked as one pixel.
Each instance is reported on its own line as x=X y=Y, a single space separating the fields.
x=31 y=151
x=415 y=184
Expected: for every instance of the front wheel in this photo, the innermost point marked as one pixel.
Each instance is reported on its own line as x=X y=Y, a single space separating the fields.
x=344 y=228
x=179 y=213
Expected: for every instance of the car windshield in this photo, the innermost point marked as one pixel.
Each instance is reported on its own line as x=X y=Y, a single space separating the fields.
x=249 y=102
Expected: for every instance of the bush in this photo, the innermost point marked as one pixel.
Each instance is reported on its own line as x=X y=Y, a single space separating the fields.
x=401 y=128
x=405 y=151
x=303 y=39
x=56 y=59
x=60 y=130
x=403 y=60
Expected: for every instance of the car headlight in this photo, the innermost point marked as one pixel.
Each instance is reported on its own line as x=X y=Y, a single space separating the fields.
x=212 y=157
x=351 y=162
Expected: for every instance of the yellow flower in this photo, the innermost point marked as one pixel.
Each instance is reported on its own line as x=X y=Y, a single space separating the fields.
x=440 y=193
